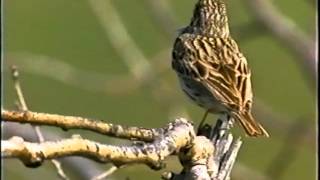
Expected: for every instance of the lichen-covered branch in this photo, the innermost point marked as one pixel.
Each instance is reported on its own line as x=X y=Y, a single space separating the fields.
x=72 y=122
x=82 y=167
x=218 y=165
x=202 y=157
x=179 y=134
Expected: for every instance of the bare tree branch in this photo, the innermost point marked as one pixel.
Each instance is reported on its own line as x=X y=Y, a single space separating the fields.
x=178 y=135
x=200 y=157
x=83 y=167
x=111 y=22
x=164 y=16
x=70 y=75
x=220 y=163
x=72 y=122
x=96 y=82
x=289 y=33
x=277 y=122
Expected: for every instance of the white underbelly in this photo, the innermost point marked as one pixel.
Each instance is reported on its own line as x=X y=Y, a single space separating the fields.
x=200 y=95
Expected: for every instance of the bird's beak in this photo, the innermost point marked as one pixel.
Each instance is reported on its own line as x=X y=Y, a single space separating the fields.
x=180 y=30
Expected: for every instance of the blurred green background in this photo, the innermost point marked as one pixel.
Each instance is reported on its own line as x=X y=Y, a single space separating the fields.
x=70 y=65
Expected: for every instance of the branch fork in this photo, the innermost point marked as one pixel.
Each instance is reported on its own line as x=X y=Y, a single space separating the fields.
x=201 y=157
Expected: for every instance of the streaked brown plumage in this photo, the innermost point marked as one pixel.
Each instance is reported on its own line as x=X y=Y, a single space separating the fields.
x=211 y=69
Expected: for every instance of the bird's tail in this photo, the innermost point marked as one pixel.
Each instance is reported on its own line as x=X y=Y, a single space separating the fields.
x=250 y=125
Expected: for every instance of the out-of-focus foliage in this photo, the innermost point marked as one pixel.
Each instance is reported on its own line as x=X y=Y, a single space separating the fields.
x=70 y=32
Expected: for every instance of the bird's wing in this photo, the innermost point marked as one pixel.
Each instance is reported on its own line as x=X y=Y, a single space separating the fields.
x=220 y=66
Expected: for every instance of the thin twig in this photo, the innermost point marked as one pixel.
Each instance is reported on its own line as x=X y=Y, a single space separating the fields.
x=24 y=107
x=72 y=76
x=285 y=30
x=163 y=14
x=277 y=122
x=15 y=77
x=118 y=84
x=105 y=174
x=110 y=20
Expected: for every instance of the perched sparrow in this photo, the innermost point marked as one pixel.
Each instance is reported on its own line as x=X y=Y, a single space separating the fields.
x=211 y=69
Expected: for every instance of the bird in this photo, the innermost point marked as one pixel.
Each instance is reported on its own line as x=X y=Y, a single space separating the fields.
x=212 y=70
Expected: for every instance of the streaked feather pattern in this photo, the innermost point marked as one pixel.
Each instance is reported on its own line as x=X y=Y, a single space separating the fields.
x=211 y=69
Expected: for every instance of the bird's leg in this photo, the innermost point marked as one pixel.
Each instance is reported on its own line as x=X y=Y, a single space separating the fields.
x=228 y=122
x=203 y=120
x=224 y=123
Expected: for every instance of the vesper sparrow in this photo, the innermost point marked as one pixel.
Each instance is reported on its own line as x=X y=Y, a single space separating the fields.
x=211 y=69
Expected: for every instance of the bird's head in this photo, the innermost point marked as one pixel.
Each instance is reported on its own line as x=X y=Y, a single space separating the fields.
x=210 y=18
